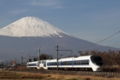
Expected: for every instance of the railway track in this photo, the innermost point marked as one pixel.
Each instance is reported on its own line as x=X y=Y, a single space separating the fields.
x=82 y=73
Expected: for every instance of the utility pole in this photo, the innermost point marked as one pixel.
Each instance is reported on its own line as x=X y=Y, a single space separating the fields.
x=16 y=62
x=2 y=65
x=7 y=64
x=57 y=50
x=22 y=61
x=57 y=56
x=80 y=52
x=38 y=56
x=28 y=59
x=38 y=53
x=11 y=62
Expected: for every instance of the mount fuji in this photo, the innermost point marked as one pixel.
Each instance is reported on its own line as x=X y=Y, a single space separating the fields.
x=30 y=33
x=30 y=27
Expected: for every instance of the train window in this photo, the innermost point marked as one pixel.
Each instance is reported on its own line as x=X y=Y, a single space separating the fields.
x=63 y=63
x=84 y=62
x=81 y=62
x=69 y=63
x=52 y=64
x=76 y=62
x=66 y=63
x=34 y=64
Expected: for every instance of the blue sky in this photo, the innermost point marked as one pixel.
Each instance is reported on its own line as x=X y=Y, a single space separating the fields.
x=91 y=20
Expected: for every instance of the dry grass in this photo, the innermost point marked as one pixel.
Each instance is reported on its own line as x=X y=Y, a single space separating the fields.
x=38 y=76
x=73 y=77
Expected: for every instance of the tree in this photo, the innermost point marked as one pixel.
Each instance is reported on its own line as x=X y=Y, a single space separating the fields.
x=29 y=60
x=45 y=57
x=35 y=59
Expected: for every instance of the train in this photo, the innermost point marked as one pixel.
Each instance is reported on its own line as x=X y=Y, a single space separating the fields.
x=86 y=63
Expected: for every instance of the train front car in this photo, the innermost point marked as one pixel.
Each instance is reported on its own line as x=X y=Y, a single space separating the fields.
x=96 y=63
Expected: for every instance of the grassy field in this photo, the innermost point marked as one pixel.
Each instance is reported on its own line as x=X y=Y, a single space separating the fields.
x=10 y=75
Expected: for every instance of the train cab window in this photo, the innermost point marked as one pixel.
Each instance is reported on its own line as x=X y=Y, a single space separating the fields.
x=97 y=60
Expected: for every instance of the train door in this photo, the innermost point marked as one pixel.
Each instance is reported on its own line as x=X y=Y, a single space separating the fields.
x=38 y=64
x=43 y=64
x=73 y=62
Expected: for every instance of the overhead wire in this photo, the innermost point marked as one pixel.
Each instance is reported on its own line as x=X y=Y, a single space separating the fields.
x=101 y=40
x=108 y=37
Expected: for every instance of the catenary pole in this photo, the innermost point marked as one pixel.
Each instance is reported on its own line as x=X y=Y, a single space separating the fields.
x=38 y=56
x=57 y=56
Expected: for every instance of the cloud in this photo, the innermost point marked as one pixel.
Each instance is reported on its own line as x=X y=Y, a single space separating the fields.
x=56 y=4
x=16 y=12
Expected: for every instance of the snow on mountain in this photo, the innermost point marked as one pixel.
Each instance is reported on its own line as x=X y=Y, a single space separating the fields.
x=30 y=27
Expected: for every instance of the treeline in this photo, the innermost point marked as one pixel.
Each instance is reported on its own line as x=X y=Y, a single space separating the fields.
x=111 y=59
x=41 y=57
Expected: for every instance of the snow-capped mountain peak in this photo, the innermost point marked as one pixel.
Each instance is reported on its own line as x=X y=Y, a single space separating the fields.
x=30 y=27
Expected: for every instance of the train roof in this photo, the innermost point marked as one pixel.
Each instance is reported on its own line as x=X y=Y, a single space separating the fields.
x=68 y=58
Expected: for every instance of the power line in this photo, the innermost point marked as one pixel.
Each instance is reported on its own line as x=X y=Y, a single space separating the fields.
x=108 y=37
x=102 y=40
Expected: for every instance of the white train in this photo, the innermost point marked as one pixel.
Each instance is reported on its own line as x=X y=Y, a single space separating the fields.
x=89 y=62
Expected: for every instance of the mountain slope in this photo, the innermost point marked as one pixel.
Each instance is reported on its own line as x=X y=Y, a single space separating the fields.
x=15 y=47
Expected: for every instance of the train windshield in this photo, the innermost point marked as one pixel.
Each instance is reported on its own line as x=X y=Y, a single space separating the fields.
x=97 y=60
